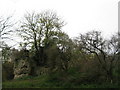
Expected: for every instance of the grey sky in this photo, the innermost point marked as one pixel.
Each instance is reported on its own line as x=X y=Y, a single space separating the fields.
x=80 y=15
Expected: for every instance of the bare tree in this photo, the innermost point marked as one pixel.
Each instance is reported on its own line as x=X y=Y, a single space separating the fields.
x=37 y=29
x=113 y=54
x=105 y=50
x=5 y=29
x=5 y=25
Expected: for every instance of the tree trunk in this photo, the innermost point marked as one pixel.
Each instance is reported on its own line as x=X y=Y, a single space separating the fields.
x=110 y=76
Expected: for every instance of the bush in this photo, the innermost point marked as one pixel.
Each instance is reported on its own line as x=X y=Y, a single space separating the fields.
x=7 y=71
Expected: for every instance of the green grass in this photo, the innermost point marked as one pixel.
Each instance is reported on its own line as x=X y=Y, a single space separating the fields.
x=45 y=81
x=69 y=79
x=26 y=82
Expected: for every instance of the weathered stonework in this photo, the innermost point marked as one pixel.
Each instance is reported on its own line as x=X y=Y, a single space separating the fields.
x=21 y=68
x=24 y=66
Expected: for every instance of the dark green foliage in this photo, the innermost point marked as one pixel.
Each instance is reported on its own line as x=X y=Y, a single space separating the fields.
x=22 y=54
x=52 y=56
x=7 y=71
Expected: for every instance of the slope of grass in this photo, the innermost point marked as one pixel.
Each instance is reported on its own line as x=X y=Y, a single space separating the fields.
x=54 y=81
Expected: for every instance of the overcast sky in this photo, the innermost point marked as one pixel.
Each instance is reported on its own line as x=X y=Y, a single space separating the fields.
x=80 y=15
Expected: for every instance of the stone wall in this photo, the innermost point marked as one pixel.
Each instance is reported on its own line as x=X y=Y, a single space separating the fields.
x=21 y=68
x=21 y=64
x=24 y=66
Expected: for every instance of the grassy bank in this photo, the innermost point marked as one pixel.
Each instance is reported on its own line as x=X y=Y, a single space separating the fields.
x=45 y=81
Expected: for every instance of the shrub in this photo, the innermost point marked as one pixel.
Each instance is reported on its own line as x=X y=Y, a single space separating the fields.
x=7 y=71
